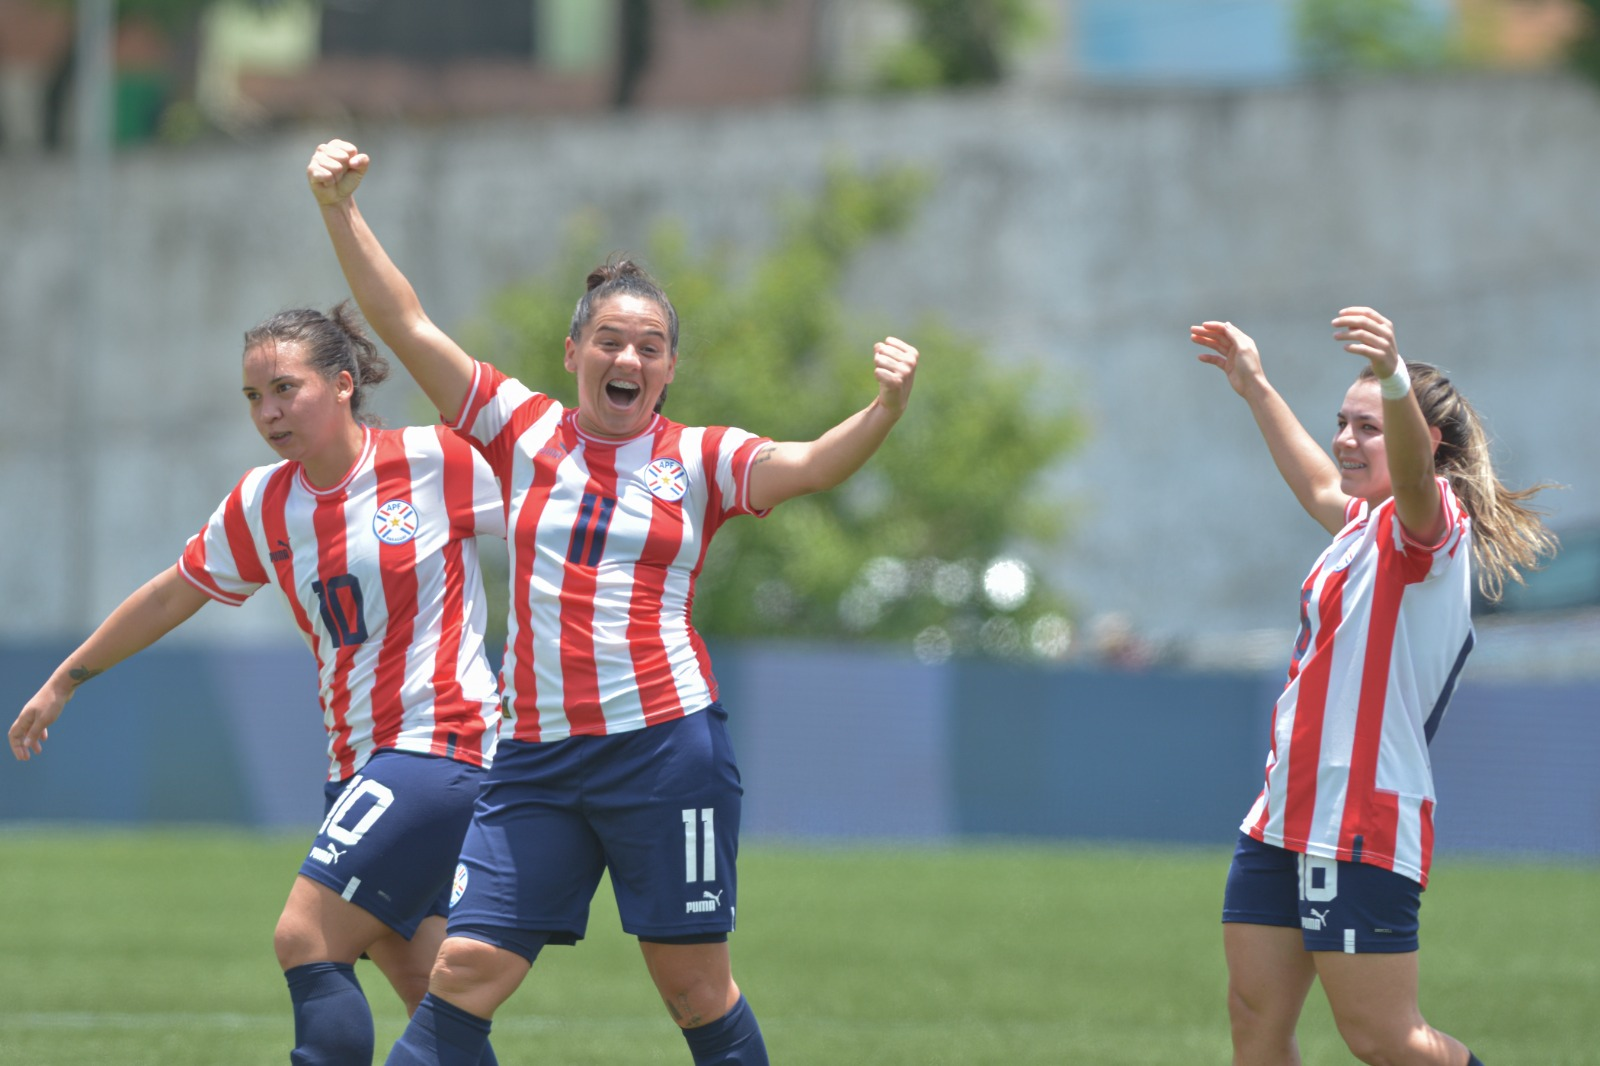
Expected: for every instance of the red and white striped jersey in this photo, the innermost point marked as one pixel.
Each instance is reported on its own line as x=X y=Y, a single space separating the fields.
x=606 y=539
x=381 y=574
x=1385 y=628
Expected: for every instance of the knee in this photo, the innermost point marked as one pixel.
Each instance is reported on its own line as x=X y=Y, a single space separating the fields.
x=1245 y=1011
x=1261 y=1024
x=293 y=943
x=1374 y=1043
x=473 y=972
x=698 y=1000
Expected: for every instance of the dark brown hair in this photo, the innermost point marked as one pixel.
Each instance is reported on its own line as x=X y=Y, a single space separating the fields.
x=333 y=342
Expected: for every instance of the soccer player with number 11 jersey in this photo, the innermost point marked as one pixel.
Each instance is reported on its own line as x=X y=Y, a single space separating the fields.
x=615 y=756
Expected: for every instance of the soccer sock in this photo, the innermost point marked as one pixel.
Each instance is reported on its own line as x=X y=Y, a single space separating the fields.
x=1473 y=1060
x=332 y=1022
x=441 y=1034
x=732 y=1040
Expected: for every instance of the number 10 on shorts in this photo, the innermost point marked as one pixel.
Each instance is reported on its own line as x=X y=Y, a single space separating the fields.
x=699 y=842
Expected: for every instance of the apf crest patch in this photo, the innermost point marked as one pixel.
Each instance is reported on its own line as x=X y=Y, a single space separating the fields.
x=459 y=885
x=666 y=479
x=395 y=522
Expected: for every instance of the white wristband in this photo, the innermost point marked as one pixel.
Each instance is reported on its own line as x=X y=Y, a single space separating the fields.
x=1396 y=385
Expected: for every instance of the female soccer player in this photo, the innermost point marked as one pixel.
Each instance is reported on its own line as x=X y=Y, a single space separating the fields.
x=617 y=757
x=1327 y=878
x=368 y=533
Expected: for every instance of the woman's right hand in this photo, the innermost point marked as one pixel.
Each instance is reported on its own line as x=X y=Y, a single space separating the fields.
x=335 y=170
x=1232 y=352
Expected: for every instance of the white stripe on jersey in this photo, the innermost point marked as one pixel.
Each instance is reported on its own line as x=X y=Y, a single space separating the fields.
x=606 y=539
x=380 y=573
x=1386 y=625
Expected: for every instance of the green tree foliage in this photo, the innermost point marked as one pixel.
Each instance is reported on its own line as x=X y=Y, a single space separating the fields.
x=1339 y=36
x=958 y=42
x=1583 y=53
x=902 y=551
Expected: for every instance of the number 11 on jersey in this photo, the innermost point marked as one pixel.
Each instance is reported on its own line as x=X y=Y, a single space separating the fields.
x=700 y=845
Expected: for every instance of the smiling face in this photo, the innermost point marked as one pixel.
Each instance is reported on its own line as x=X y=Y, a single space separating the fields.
x=300 y=413
x=623 y=360
x=1359 y=448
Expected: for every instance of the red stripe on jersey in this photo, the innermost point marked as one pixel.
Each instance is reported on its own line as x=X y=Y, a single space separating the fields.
x=273 y=497
x=1310 y=709
x=710 y=453
x=241 y=544
x=1370 y=814
x=193 y=563
x=580 y=673
x=658 y=691
x=457 y=475
x=524 y=539
x=397 y=563
x=501 y=451
x=1426 y=815
x=327 y=521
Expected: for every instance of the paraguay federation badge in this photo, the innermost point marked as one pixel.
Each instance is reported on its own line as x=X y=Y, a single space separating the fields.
x=459 y=885
x=396 y=522
x=666 y=479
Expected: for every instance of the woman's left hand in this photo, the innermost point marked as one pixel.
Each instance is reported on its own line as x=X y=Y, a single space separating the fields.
x=1369 y=335
x=895 y=365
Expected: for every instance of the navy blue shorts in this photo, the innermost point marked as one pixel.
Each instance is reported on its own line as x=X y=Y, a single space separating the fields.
x=658 y=808
x=392 y=833
x=1350 y=907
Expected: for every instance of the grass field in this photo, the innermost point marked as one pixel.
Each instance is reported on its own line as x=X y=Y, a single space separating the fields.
x=155 y=948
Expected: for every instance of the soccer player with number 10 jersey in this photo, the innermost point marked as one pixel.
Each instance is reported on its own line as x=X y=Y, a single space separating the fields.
x=369 y=535
x=1332 y=859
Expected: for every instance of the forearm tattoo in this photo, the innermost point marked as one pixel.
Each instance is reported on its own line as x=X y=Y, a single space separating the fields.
x=80 y=674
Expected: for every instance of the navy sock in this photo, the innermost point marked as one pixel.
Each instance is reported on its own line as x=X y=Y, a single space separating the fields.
x=332 y=1022
x=732 y=1040
x=1473 y=1060
x=441 y=1034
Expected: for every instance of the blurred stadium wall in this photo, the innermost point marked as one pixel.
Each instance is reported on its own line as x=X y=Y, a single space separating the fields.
x=1082 y=230
x=837 y=745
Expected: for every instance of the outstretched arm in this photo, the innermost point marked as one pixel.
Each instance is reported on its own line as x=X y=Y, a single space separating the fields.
x=386 y=298
x=138 y=622
x=788 y=469
x=1408 y=440
x=1307 y=468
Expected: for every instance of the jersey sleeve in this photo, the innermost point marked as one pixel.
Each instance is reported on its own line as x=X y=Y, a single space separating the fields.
x=223 y=560
x=735 y=454
x=1423 y=561
x=497 y=410
x=476 y=503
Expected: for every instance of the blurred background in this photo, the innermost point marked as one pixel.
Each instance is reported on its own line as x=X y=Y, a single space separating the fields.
x=1061 y=601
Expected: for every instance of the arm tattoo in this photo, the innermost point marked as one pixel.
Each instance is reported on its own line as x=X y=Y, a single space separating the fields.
x=764 y=454
x=80 y=674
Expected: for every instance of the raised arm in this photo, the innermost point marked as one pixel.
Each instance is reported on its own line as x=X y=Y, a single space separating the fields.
x=1307 y=468
x=386 y=298
x=786 y=469
x=1407 y=438
x=138 y=622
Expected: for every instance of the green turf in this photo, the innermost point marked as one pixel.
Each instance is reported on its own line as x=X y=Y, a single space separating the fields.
x=156 y=947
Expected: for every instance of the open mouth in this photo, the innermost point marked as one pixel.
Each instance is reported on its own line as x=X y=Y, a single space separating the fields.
x=622 y=393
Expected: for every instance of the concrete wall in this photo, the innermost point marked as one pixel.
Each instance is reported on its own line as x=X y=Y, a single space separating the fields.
x=837 y=744
x=1080 y=232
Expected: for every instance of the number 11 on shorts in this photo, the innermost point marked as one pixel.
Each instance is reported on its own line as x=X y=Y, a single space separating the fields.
x=703 y=842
